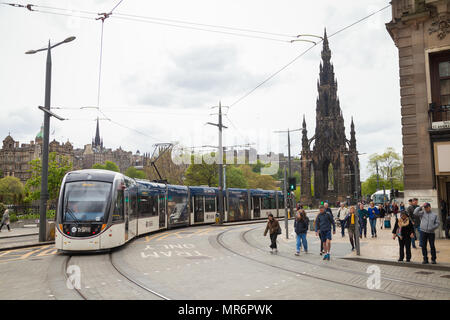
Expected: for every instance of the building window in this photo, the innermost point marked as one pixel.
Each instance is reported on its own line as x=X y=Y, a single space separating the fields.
x=440 y=85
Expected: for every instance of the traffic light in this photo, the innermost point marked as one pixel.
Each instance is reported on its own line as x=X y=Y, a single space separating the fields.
x=292 y=183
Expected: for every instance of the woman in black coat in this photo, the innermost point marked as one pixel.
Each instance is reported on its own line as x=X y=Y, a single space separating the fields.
x=404 y=230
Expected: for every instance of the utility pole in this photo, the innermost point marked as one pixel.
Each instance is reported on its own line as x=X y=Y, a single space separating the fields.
x=220 y=126
x=289 y=163
x=47 y=114
x=285 y=205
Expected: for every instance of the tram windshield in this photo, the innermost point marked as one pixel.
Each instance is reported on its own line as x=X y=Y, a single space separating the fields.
x=85 y=201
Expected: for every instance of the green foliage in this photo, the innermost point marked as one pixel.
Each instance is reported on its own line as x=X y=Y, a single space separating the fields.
x=58 y=166
x=109 y=165
x=369 y=186
x=390 y=171
x=132 y=172
x=234 y=177
x=11 y=190
x=255 y=180
x=201 y=174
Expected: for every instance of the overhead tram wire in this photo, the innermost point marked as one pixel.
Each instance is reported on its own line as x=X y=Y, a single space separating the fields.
x=302 y=54
x=154 y=20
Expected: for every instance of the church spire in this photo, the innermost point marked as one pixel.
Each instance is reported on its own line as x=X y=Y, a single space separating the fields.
x=352 y=136
x=97 y=141
x=305 y=144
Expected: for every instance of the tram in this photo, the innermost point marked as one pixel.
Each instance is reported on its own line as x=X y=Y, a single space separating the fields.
x=100 y=209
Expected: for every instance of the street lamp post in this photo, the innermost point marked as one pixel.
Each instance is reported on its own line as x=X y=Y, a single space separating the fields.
x=47 y=113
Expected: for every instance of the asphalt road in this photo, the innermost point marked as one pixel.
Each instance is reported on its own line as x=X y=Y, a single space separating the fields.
x=208 y=262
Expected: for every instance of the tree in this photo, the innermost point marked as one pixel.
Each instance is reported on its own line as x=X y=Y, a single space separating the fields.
x=255 y=180
x=389 y=162
x=109 y=165
x=390 y=172
x=202 y=174
x=234 y=177
x=132 y=172
x=12 y=190
x=58 y=166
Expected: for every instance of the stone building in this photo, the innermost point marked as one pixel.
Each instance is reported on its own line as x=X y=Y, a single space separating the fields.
x=15 y=158
x=332 y=164
x=420 y=30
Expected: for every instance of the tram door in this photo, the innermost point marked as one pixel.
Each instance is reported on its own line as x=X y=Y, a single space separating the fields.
x=126 y=212
x=162 y=211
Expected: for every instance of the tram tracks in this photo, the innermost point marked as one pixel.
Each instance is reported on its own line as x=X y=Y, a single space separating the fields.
x=244 y=238
x=219 y=240
x=123 y=276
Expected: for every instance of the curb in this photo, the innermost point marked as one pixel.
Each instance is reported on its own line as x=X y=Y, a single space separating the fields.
x=417 y=265
x=20 y=235
x=27 y=246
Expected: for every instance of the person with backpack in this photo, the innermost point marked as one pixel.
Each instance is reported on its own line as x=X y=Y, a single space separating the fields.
x=373 y=215
x=324 y=221
x=429 y=222
x=341 y=214
x=274 y=230
x=404 y=230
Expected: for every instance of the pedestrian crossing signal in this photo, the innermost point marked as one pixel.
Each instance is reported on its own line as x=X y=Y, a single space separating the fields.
x=292 y=183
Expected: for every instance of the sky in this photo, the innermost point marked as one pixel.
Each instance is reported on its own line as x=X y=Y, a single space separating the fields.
x=159 y=82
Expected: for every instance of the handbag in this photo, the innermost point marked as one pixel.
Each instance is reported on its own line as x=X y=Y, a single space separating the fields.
x=279 y=230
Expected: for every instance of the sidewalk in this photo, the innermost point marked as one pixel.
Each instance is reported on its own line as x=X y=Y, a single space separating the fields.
x=385 y=248
x=20 y=238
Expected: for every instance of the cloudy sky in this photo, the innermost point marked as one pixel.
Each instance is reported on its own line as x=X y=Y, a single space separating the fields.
x=161 y=80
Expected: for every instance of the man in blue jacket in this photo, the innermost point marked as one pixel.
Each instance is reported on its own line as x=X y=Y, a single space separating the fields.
x=373 y=215
x=324 y=220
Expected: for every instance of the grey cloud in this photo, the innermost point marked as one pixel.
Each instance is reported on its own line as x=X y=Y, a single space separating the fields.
x=200 y=76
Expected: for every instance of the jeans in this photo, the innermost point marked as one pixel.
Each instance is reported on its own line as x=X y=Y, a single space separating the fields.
x=301 y=239
x=342 y=227
x=428 y=237
x=413 y=240
x=273 y=239
x=373 y=226
x=363 y=226
x=405 y=245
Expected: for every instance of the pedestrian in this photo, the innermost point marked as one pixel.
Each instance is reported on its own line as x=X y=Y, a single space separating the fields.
x=382 y=214
x=415 y=220
x=350 y=223
x=324 y=221
x=5 y=220
x=395 y=209
x=341 y=214
x=363 y=215
x=327 y=208
x=447 y=226
x=373 y=214
x=429 y=222
x=274 y=230
x=301 y=225
x=404 y=231
x=402 y=207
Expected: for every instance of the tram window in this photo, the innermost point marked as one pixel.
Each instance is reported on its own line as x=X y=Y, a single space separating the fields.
x=210 y=204
x=148 y=206
x=177 y=206
x=118 y=207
